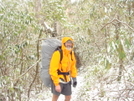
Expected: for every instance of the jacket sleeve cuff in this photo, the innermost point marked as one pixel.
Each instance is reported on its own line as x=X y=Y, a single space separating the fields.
x=74 y=79
x=56 y=84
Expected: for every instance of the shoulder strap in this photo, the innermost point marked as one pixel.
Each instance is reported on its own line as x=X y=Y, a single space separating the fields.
x=61 y=53
x=71 y=55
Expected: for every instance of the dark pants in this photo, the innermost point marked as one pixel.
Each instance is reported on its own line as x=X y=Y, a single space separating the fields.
x=65 y=89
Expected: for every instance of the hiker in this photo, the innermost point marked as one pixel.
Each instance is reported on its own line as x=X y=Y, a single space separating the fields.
x=63 y=71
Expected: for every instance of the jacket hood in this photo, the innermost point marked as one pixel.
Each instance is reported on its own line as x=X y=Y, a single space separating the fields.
x=64 y=40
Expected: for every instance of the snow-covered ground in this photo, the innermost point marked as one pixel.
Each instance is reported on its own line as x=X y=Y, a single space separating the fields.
x=47 y=96
x=74 y=91
x=107 y=88
x=104 y=88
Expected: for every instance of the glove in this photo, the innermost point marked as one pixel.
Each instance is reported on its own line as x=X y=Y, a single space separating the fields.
x=74 y=82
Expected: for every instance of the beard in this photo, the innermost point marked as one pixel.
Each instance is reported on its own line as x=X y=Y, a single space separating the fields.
x=69 y=48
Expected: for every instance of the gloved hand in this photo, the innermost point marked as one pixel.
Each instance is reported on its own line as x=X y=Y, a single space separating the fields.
x=74 y=82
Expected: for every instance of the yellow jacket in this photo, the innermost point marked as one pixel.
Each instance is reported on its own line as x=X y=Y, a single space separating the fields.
x=68 y=64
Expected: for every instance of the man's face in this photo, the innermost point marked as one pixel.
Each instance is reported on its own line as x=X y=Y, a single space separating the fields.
x=69 y=45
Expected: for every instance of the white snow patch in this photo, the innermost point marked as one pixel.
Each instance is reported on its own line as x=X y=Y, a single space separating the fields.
x=47 y=96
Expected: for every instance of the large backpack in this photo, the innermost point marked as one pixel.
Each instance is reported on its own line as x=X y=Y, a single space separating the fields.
x=47 y=49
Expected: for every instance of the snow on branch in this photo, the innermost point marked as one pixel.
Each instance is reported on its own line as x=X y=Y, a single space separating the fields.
x=49 y=29
x=52 y=31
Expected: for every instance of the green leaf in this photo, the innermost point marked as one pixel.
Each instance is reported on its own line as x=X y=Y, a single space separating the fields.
x=121 y=52
x=107 y=64
x=127 y=42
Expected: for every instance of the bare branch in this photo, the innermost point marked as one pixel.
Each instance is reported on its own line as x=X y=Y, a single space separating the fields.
x=107 y=24
x=27 y=70
x=115 y=19
x=125 y=24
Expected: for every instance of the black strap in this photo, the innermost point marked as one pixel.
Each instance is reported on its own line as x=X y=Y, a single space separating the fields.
x=64 y=74
x=71 y=56
x=61 y=54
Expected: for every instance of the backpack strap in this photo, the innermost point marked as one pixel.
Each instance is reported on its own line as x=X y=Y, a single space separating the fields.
x=61 y=53
x=63 y=73
x=71 y=55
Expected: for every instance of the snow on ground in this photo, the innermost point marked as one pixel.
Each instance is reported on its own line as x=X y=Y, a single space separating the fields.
x=109 y=89
x=74 y=91
x=103 y=89
x=47 y=95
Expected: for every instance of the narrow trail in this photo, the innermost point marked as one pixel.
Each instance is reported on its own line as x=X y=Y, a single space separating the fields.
x=74 y=91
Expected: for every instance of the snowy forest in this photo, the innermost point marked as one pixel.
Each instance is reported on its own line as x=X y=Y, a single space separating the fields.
x=103 y=33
